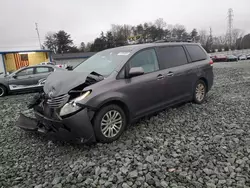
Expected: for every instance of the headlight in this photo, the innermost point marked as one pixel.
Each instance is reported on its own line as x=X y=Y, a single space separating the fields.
x=71 y=106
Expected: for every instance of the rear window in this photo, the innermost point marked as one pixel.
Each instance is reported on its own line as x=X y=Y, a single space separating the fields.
x=171 y=56
x=196 y=53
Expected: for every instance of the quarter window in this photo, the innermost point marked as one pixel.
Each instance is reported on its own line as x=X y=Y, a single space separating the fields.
x=171 y=56
x=196 y=53
x=146 y=59
x=122 y=73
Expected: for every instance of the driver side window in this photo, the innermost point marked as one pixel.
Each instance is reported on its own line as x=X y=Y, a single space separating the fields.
x=25 y=72
x=146 y=59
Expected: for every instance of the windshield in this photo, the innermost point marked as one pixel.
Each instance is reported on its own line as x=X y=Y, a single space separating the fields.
x=103 y=62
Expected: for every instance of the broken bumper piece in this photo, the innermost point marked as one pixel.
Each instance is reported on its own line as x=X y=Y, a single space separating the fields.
x=76 y=128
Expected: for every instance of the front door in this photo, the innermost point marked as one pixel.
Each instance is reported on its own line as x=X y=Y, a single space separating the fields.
x=23 y=79
x=42 y=72
x=144 y=92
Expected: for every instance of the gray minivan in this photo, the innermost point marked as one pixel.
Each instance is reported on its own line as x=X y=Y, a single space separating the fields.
x=105 y=93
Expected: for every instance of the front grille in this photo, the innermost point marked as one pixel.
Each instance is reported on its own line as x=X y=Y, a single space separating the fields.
x=57 y=102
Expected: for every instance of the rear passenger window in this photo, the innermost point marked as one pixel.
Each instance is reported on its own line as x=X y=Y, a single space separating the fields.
x=42 y=70
x=196 y=53
x=171 y=56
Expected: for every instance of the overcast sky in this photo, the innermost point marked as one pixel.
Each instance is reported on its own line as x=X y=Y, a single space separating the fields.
x=85 y=19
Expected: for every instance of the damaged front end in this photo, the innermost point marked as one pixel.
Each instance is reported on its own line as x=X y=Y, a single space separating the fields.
x=60 y=115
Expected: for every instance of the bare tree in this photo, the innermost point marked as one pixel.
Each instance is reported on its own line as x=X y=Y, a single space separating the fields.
x=82 y=47
x=222 y=39
x=115 y=29
x=178 y=31
x=160 y=23
x=88 y=47
x=121 y=33
x=127 y=30
x=170 y=27
x=203 y=37
x=235 y=35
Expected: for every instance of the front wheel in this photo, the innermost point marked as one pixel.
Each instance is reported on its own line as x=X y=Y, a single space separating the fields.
x=200 y=92
x=3 y=91
x=109 y=123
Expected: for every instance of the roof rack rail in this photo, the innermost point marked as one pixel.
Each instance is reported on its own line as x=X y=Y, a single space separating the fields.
x=172 y=40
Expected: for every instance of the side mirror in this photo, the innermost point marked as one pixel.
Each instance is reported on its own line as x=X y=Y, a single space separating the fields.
x=136 y=71
x=14 y=76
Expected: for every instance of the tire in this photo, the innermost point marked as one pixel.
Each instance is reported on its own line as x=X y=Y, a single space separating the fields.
x=102 y=132
x=199 y=87
x=3 y=91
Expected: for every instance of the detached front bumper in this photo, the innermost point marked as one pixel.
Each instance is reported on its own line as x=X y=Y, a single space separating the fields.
x=76 y=128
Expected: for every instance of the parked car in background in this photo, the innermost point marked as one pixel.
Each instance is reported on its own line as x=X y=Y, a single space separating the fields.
x=242 y=57
x=220 y=58
x=212 y=57
x=101 y=96
x=232 y=58
x=30 y=78
x=47 y=63
x=64 y=66
x=248 y=56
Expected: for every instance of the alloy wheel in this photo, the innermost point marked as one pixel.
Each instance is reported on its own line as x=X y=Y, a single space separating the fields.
x=111 y=123
x=200 y=92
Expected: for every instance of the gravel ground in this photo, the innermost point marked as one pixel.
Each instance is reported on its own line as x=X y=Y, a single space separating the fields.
x=190 y=145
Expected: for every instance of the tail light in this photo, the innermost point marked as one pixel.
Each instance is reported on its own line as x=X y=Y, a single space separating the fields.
x=211 y=62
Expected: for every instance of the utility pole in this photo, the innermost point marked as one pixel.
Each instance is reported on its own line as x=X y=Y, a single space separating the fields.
x=230 y=26
x=38 y=35
x=210 y=38
x=210 y=33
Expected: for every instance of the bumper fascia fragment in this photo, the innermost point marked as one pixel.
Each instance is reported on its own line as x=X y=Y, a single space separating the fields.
x=76 y=128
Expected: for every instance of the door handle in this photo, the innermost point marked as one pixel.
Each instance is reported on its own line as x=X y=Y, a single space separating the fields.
x=160 y=76
x=170 y=74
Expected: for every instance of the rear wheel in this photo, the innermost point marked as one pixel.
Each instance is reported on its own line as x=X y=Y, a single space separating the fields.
x=3 y=91
x=200 y=92
x=109 y=123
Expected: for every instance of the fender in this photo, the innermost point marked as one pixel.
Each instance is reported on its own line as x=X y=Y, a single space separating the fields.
x=97 y=101
x=5 y=85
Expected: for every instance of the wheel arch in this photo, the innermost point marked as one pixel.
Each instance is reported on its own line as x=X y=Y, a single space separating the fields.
x=7 y=89
x=205 y=81
x=119 y=103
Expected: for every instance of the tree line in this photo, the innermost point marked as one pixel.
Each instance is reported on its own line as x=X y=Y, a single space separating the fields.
x=159 y=30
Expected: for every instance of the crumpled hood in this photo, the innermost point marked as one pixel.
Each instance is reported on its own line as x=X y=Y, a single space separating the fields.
x=60 y=83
